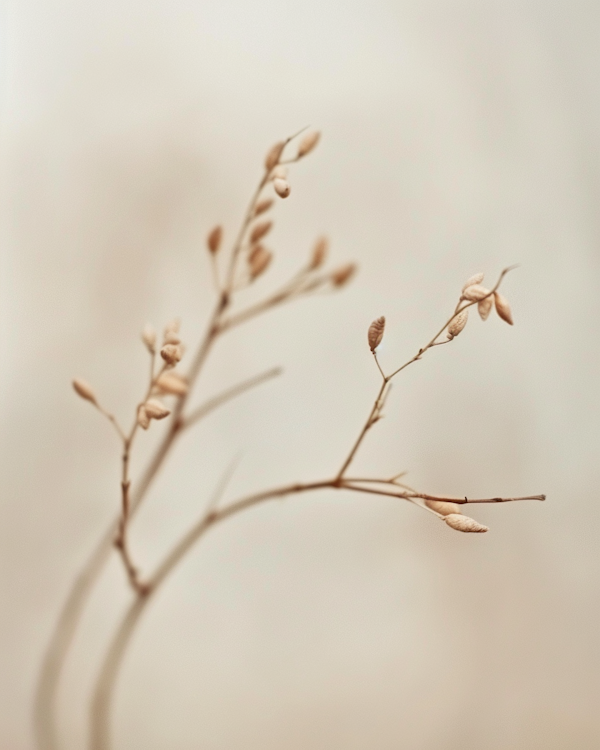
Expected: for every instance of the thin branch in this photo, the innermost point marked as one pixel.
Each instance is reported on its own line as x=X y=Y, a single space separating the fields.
x=213 y=403
x=410 y=495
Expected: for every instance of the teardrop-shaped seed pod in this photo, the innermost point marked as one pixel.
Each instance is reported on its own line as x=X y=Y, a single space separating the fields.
x=274 y=154
x=260 y=230
x=142 y=418
x=475 y=292
x=475 y=279
x=213 y=240
x=282 y=187
x=263 y=206
x=171 y=353
x=155 y=409
x=343 y=275
x=84 y=390
x=149 y=337
x=308 y=143
x=484 y=307
x=458 y=323
x=319 y=254
x=442 y=507
x=503 y=308
x=259 y=261
x=464 y=523
x=376 y=332
x=169 y=383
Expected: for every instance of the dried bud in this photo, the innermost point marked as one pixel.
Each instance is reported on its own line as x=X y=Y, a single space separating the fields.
x=142 y=417
x=319 y=254
x=343 y=275
x=171 y=383
x=172 y=327
x=475 y=292
x=171 y=353
x=476 y=279
x=484 y=307
x=464 y=523
x=149 y=338
x=442 y=507
x=259 y=260
x=274 y=154
x=279 y=173
x=458 y=323
x=155 y=410
x=214 y=240
x=84 y=390
x=376 y=333
x=282 y=188
x=503 y=308
x=263 y=206
x=308 y=143
x=260 y=230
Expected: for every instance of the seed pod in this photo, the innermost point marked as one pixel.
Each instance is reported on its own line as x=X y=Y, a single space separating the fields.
x=282 y=187
x=142 y=417
x=376 y=333
x=259 y=260
x=213 y=240
x=308 y=143
x=484 y=307
x=155 y=410
x=172 y=327
x=458 y=323
x=503 y=308
x=274 y=154
x=475 y=292
x=442 y=507
x=279 y=173
x=149 y=337
x=171 y=338
x=171 y=353
x=343 y=275
x=319 y=253
x=84 y=390
x=263 y=206
x=260 y=230
x=464 y=523
x=476 y=279
x=170 y=383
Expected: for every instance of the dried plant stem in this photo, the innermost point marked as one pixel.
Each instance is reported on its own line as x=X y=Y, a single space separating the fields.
x=66 y=625
x=375 y=412
x=101 y=702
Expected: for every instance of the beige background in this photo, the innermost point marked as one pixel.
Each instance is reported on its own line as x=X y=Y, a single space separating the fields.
x=458 y=137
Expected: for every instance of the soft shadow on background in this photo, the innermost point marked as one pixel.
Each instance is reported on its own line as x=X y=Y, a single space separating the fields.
x=458 y=137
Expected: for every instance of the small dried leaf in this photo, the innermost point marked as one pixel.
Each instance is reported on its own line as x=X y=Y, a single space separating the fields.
x=274 y=154
x=442 y=507
x=155 y=409
x=213 y=240
x=171 y=353
x=458 y=323
x=84 y=390
x=464 y=523
x=476 y=279
x=475 y=292
x=142 y=418
x=259 y=260
x=343 y=275
x=282 y=187
x=319 y=253
x=503 y=308
x=263 y=206
x=149 y=337
x=376 y=332
x=260 y=230
x=172 y=384
x=308 y=143
x=484 y=307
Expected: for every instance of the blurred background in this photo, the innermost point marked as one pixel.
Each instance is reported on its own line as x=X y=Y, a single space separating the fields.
x=457 y=137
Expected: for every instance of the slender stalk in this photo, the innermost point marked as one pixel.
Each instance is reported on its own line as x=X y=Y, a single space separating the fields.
x=104 y=689
x=62 y=636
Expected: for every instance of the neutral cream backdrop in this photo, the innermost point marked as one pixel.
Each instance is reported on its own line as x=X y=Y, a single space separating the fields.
x=458 y=137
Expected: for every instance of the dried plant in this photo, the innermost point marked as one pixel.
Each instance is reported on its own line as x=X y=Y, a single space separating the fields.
x=233 y=272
